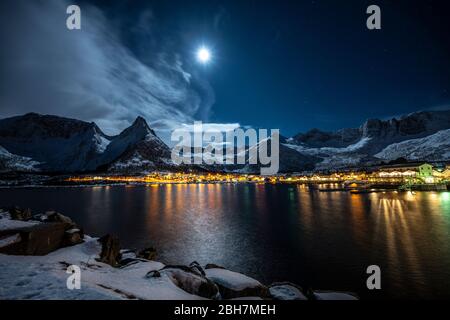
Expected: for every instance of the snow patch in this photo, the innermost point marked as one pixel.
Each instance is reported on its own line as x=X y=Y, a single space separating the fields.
x=12 y=162
x=136 y=161
x=6 y=223
x=102 y=143
x=4 y=242
x=232 y=280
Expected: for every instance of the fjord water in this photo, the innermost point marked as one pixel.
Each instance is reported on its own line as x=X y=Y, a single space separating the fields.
x=323 y=240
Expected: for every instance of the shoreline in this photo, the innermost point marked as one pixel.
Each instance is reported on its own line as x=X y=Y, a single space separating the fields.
x=102 y=260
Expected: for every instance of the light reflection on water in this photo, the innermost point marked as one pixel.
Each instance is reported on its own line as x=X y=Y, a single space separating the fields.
x=285 y=232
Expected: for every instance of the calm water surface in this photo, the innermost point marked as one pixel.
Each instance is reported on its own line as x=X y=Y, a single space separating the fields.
x=273 y=232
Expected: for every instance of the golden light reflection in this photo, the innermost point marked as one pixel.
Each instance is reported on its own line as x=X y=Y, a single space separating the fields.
x=397 y=229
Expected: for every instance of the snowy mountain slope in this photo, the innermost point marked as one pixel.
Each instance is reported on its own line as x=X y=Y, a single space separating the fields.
x=360 y=147
x=316 y=138
x=433 y=147
x=290 y=160
x=138 y=148
x=10 y=162
x=380 y=132
x=49 y=143
x=58 y=144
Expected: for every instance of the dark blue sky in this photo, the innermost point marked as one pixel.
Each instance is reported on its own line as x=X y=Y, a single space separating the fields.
x=293 y=65
x=296 y=65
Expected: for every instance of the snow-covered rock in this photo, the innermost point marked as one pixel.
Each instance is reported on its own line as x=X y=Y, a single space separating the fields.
x=45 y=277
x=10 y=240
x=6 y=223
x=234 y=285
x=286 y=291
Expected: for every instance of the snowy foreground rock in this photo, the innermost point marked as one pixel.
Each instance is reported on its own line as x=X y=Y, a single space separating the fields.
x=110 y=273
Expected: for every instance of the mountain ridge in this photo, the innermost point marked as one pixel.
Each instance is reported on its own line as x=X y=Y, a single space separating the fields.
x=353 y=147
x=48 y=143
x=59 y=144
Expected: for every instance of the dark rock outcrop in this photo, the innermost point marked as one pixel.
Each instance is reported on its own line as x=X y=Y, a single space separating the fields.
x=148 y=254
x=110 y=253
x=73 y=237
x=45 y=233
x=36 y=240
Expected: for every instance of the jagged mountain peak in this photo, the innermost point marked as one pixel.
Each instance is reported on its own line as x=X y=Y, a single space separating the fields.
x=139 y=128
x=140 y=121
x=413 y=125
x=68 y=145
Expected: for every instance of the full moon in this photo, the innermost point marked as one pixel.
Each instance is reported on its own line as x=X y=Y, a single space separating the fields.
x=203 y=55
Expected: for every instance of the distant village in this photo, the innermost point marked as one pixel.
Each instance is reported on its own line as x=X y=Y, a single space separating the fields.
x=411 y=176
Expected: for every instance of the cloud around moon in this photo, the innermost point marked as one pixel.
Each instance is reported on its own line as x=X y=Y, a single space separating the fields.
x=90 y=74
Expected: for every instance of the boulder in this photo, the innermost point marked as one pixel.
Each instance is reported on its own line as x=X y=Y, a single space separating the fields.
x=36 y=240
x=73 y=236
x=34 y=237
x=190 y=281
x=286 y=291
x=148 y=254
x=53 y=216
x=110 y=253
x=235 y=285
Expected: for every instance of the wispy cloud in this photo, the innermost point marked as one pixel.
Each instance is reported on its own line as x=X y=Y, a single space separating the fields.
x=90 y=74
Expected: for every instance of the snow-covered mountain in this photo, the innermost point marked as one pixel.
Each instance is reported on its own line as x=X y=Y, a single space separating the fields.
x=10 y=162
x=380 y=132
x=370 y=143
x=290 y=160
x=138 y=148
x=46 y=143
x=435 y=147
x=55 y=144
x=58 y=144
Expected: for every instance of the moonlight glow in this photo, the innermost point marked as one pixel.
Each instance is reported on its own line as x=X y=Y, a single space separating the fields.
x=203 y=55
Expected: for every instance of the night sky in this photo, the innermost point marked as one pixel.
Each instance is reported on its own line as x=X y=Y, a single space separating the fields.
x=293 y=65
